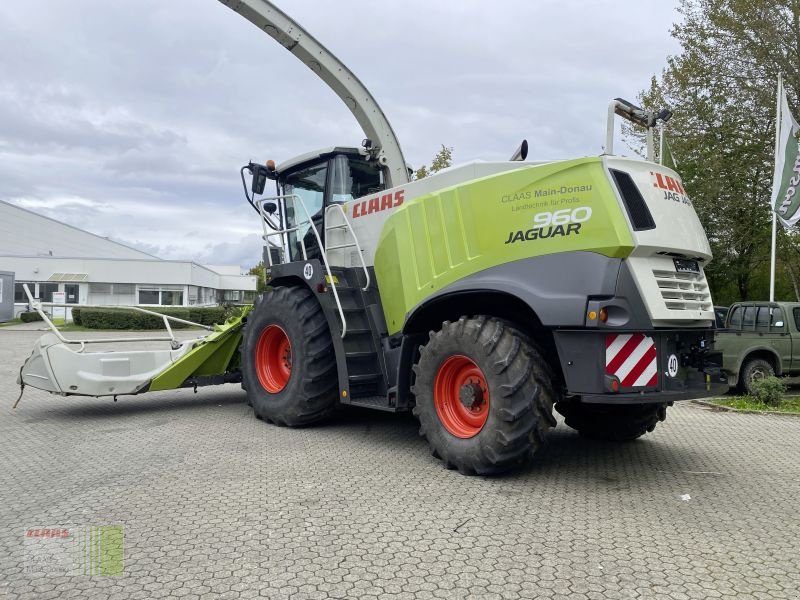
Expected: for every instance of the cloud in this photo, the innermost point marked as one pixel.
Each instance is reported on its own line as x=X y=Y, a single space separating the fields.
x=241 y=251
x=133 y=121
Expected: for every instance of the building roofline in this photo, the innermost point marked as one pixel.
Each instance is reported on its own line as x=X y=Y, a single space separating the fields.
x=154 y=260
x=27 y=210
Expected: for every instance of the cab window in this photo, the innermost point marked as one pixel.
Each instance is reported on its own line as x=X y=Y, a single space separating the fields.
x=309 y=185
x=354 y=177
x=797 y=318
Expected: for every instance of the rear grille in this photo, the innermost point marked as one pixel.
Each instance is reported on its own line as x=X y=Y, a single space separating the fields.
x=683 y=291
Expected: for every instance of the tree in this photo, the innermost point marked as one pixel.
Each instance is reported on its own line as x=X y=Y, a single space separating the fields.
x=261 y=276
x=721 y=88
x=442 y=160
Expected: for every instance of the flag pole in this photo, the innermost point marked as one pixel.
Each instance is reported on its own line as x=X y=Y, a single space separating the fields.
x=772 y=208
x=661 y=143
x=772 y=259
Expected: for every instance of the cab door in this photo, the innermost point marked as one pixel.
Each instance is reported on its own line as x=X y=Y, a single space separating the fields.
x=352 y=177
x=306 y=212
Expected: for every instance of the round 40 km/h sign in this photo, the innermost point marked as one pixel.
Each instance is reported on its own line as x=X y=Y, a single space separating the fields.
x=672 y=365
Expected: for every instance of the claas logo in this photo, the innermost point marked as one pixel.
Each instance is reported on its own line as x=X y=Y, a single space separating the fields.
x=378 y=204
x=665 y=182
x=671 y=187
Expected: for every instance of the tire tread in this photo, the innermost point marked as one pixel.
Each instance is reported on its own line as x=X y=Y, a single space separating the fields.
x=522 y=401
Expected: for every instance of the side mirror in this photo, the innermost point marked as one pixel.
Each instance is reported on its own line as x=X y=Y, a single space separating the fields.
x=259 y=178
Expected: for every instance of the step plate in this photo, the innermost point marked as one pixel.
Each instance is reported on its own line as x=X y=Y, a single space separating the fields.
x=373 y=402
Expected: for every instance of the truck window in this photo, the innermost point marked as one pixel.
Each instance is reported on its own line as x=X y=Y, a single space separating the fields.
x=763 y=319
x=735 y=321
x=749 y=318
x=776 y=316
x=797 y=318
x=767 y=318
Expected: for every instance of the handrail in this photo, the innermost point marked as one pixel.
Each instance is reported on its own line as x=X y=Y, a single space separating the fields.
x=37 y=306
x=282 y=232
x=355 y=242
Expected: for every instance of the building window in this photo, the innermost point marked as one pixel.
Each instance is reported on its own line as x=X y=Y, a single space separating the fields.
x=155 y=296
x=171 y=298
x=46 y=291
x=19 y=294
x=148 y=296
x=206 y=296
x=71 y=292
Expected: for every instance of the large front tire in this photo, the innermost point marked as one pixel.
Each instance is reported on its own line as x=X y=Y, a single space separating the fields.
x=484 y=396
x=288 y=363
x=612 y=422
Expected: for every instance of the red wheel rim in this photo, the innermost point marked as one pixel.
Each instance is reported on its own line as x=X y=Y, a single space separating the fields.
x=273 y=359
x=461 y=396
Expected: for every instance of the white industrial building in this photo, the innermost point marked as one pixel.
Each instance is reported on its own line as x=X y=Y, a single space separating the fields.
x=54 y=257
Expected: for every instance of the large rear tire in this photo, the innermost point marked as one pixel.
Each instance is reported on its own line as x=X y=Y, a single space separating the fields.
x=288 y=362
x=484 y=396
x=612 y=422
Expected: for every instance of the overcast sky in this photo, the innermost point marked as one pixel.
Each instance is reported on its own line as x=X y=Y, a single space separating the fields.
x=131 y=118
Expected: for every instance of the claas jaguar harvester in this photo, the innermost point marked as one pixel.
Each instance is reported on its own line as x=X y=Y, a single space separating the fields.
x=482 y=297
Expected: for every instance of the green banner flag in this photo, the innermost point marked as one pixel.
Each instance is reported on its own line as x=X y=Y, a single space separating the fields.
x=786 y=181
x=668 y=160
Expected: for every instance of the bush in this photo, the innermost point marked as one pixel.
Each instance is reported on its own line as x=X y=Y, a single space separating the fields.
x=207 y=316
x=107 y=318
x=76 y=316
x=30 y=317
x=769 y=390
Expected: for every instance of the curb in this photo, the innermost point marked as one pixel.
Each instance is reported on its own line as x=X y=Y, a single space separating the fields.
x=721 y=408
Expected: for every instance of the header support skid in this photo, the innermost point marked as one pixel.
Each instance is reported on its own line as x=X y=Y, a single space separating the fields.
x=289 y=34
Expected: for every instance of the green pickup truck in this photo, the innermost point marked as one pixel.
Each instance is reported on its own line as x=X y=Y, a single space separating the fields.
x=759 y=339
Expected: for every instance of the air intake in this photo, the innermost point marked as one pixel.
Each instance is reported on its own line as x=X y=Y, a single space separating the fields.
x=634 y=202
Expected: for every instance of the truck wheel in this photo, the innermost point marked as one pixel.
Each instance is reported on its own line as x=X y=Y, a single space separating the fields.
x=484 y=396
x=754 y=370
x=612 y=422
x=288 y=363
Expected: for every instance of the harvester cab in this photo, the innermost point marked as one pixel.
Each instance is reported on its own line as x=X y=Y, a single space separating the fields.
x=306 y=187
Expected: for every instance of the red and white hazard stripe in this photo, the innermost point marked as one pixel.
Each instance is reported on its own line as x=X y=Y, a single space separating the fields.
x=631 y=358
